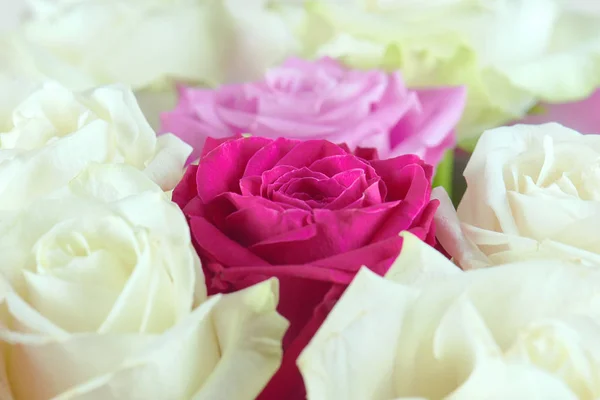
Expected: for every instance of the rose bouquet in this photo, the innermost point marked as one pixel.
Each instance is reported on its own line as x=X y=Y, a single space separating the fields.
x=281 y=228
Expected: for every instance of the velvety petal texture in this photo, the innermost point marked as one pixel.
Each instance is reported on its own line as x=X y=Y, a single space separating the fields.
x=49 y=134
x=533 y=191
x=428 y=330
x=324 y=100
x=102 y=296
x=310 y=213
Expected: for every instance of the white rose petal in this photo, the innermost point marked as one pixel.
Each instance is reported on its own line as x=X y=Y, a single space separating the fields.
x=102 y=297
x=526 y=330
x=139 y=42
x=507 y=52
x=533 y=191
x=54 y=134
x=151 y=45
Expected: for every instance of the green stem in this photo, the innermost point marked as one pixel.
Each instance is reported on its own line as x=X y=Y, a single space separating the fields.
x=443 y=174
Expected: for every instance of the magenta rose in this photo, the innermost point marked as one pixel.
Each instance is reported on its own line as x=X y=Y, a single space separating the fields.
x=324 y=100
x=309 y=213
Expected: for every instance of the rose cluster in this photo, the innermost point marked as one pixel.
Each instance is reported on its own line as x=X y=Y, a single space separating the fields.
x=193 y=274
x=324 y=100
x=309 y=213
x=289 y=236
x=101 y=290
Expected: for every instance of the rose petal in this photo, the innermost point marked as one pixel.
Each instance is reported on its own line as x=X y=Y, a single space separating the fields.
x=345 y=147
x=313 y=187
x=221 y=248
x=61 y=302
x=331 y=233
x=250 y=186
x=431 y=126
x=442 y=109
x=214 y=142
x=358 y=193
x=274 y=127
x=416 y=199
x=348 y=177
x=185 y=190
x=226 y=204
x=221 y=169
x=366 y=153
x=424 y=225
x=306 y=153
x=398 y=174
x=190 y=130
x=333 y=165
x=283 y=174
x=291 y=201
x=204 y=103
x=255 y=224
x=391 y=108
x=377 y=300
x=266 y=158
x=287 y=382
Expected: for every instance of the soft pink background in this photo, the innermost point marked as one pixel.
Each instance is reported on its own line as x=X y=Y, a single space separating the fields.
x=583 y=116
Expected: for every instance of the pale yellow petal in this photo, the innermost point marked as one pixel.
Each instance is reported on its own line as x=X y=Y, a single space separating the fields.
x=418 y=262
x=167 y=166
x=450 y=235
x=249 y=332
x=353 y=353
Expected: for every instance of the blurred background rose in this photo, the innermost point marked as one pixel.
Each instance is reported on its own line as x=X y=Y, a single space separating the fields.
x=153 y=44
x=11 y=13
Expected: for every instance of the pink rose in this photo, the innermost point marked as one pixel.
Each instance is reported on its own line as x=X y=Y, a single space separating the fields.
x=323 y=100
x=310 y=213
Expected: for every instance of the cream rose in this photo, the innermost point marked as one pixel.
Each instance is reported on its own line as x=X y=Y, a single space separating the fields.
x=143 y=43
x=533 y=191
x=528 y=330
x=14 y=91
x=52 y=134
x=149 y=44
x=509 y=53
x=146 y=44
x=103 y=297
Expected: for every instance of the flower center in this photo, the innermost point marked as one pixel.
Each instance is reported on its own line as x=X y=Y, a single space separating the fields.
x=75 y=245
x=557 y=348
x=96 y=251
x=46 y=115
x=557 y=171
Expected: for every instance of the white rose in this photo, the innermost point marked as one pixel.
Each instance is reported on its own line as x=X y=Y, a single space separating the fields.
x=103 y=297
x=526 y=331
x=14 y=91
x=533 y=191
x=149 y=44
x=263 y=34
x=508 y=53
x=139 y=42
x=54 y=133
